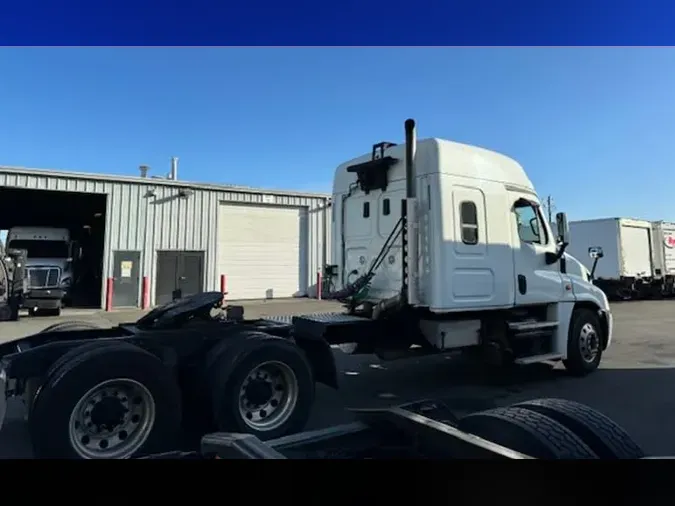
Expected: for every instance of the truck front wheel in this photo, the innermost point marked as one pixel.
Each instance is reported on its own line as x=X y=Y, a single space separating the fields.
x=584 y=343
x=269 y=393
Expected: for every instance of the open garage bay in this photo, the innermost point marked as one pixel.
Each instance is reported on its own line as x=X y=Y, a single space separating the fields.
x=81 y=216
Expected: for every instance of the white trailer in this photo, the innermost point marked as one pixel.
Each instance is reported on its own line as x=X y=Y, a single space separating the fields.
x=663 y=245
x=627 y=269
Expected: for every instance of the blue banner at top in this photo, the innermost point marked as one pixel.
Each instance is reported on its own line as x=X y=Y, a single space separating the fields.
x=344 y=23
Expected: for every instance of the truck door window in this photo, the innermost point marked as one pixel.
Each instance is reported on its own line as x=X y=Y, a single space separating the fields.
x=366 y=209
x=530 y=223
x=469 y=222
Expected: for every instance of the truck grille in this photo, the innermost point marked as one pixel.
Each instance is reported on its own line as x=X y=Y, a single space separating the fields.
x=43 y=277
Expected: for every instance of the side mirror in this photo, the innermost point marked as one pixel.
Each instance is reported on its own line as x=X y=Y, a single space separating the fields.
x=595 y=252
x=563 y=228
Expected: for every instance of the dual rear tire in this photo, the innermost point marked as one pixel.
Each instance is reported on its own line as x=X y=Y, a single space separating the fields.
x=115 y=400
x=105 y=401
x=553 y=429
x=264 y=387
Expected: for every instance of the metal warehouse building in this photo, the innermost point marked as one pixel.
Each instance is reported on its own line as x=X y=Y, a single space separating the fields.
x=154 y=238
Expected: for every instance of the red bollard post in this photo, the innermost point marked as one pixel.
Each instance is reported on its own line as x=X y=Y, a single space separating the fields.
x=108 y=294
x=223 y=286
x=145 y=301
x=319 y=287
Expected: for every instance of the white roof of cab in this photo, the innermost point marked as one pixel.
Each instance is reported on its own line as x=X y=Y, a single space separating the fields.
x=452 y=157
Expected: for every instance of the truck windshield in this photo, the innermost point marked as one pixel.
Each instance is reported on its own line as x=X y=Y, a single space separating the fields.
x=41 y=249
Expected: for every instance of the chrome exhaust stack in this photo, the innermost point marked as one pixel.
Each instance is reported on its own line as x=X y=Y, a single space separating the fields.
x=411 y=227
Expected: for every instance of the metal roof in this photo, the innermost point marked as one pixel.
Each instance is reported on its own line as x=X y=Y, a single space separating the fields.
x=154 y=181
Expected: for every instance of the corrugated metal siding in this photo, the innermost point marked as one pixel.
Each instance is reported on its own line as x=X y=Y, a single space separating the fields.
x=138 y=221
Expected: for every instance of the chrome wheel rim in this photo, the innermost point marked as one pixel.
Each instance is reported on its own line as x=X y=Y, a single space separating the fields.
x=268 y=396
x=112 y=420
x=589 y=342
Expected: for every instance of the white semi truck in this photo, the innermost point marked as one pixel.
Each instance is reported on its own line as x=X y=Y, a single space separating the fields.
x=444 y=246
x=49 y=265
x=440 y=247
x=629 y=268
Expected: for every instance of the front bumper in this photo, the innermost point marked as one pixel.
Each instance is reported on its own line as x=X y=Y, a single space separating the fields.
x=44 y=298
x=607 y=315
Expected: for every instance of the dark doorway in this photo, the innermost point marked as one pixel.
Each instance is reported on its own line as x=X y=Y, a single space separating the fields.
x=83 y=215
x=126 y=277
x=179 y=274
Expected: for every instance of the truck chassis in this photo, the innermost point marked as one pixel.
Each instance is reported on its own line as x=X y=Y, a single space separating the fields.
x=131 y=390
x=538 y=429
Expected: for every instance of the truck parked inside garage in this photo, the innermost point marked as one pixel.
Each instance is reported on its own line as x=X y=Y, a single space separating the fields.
x=50 y=266
x=627 y=270
x=440 y=247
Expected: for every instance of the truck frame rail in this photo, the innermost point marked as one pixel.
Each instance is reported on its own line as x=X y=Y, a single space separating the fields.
x=405 y=431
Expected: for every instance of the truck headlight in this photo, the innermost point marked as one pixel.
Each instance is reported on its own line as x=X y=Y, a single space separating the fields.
x=65 y=283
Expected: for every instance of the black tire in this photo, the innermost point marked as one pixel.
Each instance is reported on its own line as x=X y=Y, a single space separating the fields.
x=226 y=384
x=65 y=358
x=576 y=363
x=602 y=435
x=72 y=325
x=526 y=432
x=81 y=369
x=14 y=306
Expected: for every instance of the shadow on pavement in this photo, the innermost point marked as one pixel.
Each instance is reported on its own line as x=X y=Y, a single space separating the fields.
x=639 y=399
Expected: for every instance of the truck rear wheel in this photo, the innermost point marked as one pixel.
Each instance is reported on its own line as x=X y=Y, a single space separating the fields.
x=111 y=401
x=527 y=432
x=604 y=436
x=268 y=393
x=584 y=343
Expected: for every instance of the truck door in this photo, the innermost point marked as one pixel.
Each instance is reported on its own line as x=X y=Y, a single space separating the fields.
x=536 y=281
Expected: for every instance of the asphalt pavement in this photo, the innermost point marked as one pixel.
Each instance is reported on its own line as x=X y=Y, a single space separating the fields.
x=633 y=385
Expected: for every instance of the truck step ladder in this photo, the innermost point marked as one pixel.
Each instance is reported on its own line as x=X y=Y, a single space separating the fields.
x=538 y=358
x=532 y=325
x=531 y=328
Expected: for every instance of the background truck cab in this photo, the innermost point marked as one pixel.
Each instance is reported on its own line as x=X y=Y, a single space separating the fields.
x=49 y=265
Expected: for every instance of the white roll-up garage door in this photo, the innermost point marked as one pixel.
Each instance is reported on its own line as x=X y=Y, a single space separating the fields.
x=262 y=250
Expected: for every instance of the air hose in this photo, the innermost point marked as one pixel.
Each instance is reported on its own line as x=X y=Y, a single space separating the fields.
x=357 y=290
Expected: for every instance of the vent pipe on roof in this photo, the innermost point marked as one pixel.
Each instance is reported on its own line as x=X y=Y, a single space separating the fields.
x=173 y=175
x=143 y=169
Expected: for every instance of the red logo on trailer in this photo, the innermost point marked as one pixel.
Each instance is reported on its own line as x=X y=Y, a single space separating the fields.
x=669 y=241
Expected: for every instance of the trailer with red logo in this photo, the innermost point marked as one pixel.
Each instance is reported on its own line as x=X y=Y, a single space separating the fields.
x=631 y=267
x=663 y=238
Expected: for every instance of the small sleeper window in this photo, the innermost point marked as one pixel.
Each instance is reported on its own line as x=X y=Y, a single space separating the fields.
x=366 y=209
x=386 y=207
x=469 y=222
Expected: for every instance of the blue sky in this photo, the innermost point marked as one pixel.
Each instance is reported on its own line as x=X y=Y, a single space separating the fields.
x=593 y=127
